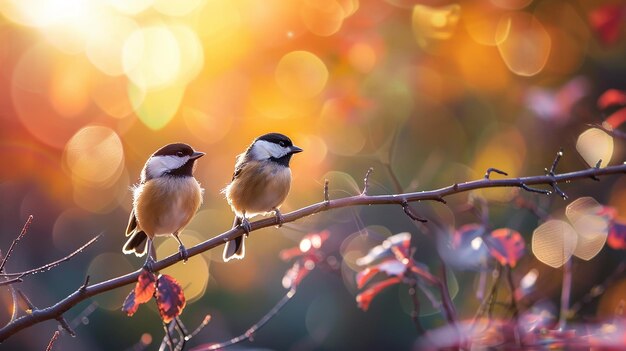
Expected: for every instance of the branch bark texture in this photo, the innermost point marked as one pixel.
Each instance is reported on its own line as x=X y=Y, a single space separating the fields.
x=86 y=291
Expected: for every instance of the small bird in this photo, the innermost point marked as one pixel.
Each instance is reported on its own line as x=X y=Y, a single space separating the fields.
x=260 y=184
x=165 y=200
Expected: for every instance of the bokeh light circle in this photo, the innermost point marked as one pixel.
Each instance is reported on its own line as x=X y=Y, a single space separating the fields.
x=301 y=74
x=95 y=155
x=151 y=57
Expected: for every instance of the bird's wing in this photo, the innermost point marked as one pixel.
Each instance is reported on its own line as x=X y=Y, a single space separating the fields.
x=132 y=223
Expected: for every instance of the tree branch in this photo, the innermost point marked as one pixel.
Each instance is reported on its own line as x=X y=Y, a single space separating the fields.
x=82 y=293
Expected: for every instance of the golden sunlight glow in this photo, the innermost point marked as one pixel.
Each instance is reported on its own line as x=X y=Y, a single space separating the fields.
x=105 y=44
x=344 y=138
x=322 y=17
x=595 y=145
x=177 y=8
x=152 y=57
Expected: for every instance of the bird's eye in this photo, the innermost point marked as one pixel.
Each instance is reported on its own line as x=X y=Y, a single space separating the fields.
x=180 y=154
x=281 y=143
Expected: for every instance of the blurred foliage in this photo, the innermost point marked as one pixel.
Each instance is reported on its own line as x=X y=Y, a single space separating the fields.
x=437 y=90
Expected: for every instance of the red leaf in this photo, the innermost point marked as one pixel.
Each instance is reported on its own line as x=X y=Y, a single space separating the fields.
x=365 y=298
x=401 y=241
x=365 y=275
x=606 y=22
x=611 y=97
x=309 y=245
x=617 y=236
x=464 y=236
x=506 y=245
x=288 y=254
x=145 y=287
x=130 y=304
x=295 y=274
x=170 y=298
x=617 y=118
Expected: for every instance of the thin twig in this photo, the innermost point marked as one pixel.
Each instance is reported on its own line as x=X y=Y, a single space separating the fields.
x=598 y=290
x=509 y=279
x=15 y=241
x=489 y=170
x=408 y=210
x=416 y=308
x=79 y=295
x=326 y=196
x=566 y=291
x=48 y=266
x=188 y=336
x=54 y=338
x=366 y=180
x=253 y=329
x=552 y=171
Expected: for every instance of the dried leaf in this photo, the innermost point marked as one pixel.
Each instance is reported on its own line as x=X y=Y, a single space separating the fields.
x=617 y=236
x=170 y=298
x=145 y=287
x=506 y=245
x=130 y=304
x=365 y=298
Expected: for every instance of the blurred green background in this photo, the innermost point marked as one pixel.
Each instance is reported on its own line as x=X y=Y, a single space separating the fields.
x=440 y=90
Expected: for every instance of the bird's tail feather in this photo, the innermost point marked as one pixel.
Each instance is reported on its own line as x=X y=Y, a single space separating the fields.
x=235 y=249
x=136 y=244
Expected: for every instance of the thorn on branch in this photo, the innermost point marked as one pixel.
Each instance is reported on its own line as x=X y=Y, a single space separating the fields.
x=409 y=212
x=535 y=190
x=366 y=180
x=597 y=166
x=83 y=287
x=26 y=300
x=489 y=170
x=66 y=326
x=326 y=196
x=555 y=163
x=440 y=199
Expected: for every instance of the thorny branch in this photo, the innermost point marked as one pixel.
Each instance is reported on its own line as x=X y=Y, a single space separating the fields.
x=17 y=277
x=15 y=241
x=82 y=293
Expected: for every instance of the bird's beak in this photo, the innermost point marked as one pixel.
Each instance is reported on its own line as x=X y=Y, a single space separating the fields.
x=295 y=149
x=196 y=155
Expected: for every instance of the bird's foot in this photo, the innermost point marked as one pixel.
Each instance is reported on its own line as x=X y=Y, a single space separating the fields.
x=182 y=252
x=149 y=264
x=279 y=218
x=245 y=225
